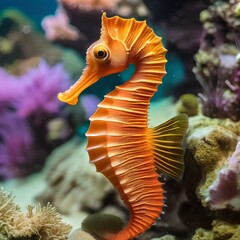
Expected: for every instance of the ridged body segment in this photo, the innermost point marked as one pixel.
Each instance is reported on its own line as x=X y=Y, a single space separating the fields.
x=119 y=147
x=120 y=144
x=118 y=141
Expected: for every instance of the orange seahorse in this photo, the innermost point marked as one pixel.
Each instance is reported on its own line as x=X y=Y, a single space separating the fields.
x=120 y=144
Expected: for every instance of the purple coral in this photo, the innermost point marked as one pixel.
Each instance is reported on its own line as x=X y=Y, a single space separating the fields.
x=225 y=191
x=234 y=103
x=15 y=146
x=40 y=87
x=24 y=102
x=15 y=135
x=9 y=91
x=217 y=66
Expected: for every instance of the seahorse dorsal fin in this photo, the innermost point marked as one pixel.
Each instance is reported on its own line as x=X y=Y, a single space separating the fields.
x=132 y=33
x=166 y=140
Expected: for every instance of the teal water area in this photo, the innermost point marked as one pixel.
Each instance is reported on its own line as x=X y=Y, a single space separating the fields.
x=35 y=10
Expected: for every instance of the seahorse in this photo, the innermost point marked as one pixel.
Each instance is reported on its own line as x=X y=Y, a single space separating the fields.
x=120 y=143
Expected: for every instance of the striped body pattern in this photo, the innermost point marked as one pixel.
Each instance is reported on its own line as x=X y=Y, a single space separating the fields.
x=120 y=143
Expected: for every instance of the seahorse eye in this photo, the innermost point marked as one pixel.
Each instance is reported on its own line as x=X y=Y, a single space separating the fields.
x=101 y=53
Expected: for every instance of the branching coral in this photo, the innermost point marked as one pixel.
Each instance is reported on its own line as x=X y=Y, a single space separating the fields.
x=70 y=174
x=38 y=223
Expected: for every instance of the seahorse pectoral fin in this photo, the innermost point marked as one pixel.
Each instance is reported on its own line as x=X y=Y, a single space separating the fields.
x=167 y=142
x=71 y=95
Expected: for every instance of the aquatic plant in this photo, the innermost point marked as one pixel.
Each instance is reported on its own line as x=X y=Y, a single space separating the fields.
x=37 y=223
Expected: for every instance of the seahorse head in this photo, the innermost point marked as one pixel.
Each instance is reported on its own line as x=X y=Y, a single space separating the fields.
x=122 y=42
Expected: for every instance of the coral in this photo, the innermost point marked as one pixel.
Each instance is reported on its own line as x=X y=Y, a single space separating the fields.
x=71 y=180
x=79 y=13
x=16 y=137
x=234 y=102
x=42 y=85
x=166 y=237
x=211 y=142
x=6 y=46
x=220 y=231
x=38 y=223
x=16 y=143
x=79 y=234
x=214 y=104
x=224 y=191
x=27 y=104
x=216 y=62
x=188 y=103
x=123 y=8
x=92 y=4
x=220 y=83
x=57 y=27
x=26 y=42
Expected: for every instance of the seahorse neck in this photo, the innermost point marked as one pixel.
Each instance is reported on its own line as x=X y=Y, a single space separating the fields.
x=146 y=78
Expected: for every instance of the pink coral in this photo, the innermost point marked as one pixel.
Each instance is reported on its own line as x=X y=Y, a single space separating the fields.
x=225 y=191
x=92 y=4
x=57 y=27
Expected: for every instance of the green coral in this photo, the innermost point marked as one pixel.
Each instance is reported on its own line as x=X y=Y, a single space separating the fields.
x=237 y=10
x=38 y=223
x=188 y=103
x=166 y=237
x=211 y=142
x=6 y=45
x=206 y=62
x=221 y=231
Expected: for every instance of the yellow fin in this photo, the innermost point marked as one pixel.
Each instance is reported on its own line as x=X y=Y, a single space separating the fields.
x=167 y=141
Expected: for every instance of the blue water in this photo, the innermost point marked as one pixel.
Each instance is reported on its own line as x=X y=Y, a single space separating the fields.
x=35 y=10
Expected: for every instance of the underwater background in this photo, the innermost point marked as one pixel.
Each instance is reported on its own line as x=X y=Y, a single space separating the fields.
x=48 y=185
